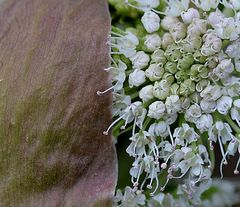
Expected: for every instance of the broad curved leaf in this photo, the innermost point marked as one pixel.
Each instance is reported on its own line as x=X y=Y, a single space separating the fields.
x=52 y=150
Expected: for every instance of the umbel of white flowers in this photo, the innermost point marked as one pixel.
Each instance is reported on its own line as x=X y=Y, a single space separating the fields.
x=177 y=88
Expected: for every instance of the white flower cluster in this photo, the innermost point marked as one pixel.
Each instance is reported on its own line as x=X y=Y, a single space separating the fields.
x=176 y=87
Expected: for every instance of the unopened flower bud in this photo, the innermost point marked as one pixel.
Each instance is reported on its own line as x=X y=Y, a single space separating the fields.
x=211 y=93
x=215 y=18
x=168 y=22
x=136 y=78
x=173 y=104
x=140 y=60
x=156 y=110
x=146 y=93
x=204 y=122
x=197 y=27
x=164 y=165
x=171 y=67
x=189 y=15
x=178 y=32
x=161 y=89
x=151 y=21
x=154 y=72
x=173 y=53
x=158 y=57
x=224 y=69
x=208 y=106
x=167 y=40
x=224 y=104
x=169 y=78
x=187 y=87
x=153 y=42
x=174 y=89
x=185 y=62
x=193 y=113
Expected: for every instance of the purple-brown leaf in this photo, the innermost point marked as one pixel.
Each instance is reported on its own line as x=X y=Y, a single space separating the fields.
x=53 y=152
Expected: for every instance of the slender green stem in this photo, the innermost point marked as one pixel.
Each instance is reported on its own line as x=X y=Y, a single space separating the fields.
x=146 y=122
x=134 y=95
x=232 y=124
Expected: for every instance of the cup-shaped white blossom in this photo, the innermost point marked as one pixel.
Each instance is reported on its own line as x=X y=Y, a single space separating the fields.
x=197 y=27
x=215 y=18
